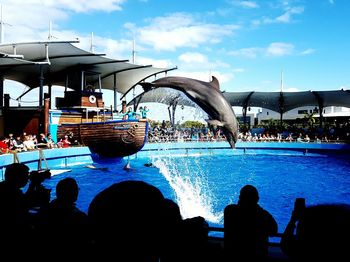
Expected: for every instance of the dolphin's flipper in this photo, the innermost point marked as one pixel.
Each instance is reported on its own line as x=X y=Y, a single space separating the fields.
x=214 y=122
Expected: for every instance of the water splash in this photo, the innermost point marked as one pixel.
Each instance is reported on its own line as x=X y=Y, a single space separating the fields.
x=191 y=188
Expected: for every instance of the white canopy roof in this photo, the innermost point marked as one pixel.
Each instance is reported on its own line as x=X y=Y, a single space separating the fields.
x=280 y=102
x=62 y=63
x=284 y=101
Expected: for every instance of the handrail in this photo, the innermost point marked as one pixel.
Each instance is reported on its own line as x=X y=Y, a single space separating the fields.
x=221 y=229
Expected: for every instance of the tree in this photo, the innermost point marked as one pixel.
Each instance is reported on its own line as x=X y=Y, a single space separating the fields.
x=310 y=119
x=192 y=124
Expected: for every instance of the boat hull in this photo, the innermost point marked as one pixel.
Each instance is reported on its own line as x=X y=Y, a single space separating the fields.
x=115 y=138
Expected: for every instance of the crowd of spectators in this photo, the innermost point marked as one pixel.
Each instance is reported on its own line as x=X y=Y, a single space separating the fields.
x=163 y=133
x=29 y=142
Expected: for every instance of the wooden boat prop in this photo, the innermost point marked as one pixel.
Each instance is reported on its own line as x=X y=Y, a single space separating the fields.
x=82 y=113
x=107 y=138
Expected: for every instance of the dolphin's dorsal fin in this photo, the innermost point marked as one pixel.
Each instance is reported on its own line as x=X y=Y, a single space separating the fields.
x=215 y=83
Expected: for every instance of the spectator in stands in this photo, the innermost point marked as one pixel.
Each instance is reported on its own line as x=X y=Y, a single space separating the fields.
x=64 y=142
x=72 y=139
x=37 y=194
x=247 y=227
x=63 y=224
x=28 y=143
x=4 y=148
x=50 y=142
x=127 y=221
x=15 y=229
x=42 y=141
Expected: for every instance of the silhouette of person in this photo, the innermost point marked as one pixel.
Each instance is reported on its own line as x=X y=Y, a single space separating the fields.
x=63 y=223
x=37 y=195
x=15 y=227
x=321 y=234
x=127 y=221
x=171 y=243
x=184 y=239
x=247 y=227
x=194 y=239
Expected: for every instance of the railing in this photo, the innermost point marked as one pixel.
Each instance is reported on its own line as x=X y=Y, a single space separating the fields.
x=220 y=239
x=172 y=139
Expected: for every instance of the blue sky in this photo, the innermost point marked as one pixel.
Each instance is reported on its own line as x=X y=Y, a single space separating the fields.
x=245 y=44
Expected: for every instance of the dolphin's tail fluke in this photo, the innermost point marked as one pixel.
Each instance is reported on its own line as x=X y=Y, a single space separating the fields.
x=146 y=86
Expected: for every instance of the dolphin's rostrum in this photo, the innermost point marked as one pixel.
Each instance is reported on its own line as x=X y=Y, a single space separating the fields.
x=208 y=96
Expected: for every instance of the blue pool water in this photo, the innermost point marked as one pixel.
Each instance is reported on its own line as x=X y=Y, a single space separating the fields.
x=203 y=184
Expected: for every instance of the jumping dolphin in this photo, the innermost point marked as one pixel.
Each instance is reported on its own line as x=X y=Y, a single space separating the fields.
x=208 y=96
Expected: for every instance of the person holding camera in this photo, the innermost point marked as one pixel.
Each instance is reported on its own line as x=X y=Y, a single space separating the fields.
x=317 y=233
x=37 y=195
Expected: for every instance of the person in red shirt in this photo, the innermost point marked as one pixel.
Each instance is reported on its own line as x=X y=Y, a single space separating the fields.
x=64 y=142
x=4 y=145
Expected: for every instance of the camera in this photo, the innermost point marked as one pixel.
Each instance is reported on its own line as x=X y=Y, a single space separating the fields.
x=39 y=175
x=299 y=207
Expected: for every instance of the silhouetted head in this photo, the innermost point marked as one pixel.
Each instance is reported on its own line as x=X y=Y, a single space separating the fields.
x=128 y=215
x=67 y=190
x=17 y=174
x=248 y=195
x=172 y=210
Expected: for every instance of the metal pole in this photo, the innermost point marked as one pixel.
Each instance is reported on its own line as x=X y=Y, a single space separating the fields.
x=41 y=88
x=1 y=91
x=115 y=94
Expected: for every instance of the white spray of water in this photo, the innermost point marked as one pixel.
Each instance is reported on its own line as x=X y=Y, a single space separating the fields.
x=192 y=192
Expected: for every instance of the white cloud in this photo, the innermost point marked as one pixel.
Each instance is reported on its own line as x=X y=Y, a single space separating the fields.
x=307 y=51
x=273 y=49
x=75 y=6
x=279 y=49
x=161 y=63
x=287 y=16
x=29 y=20
x=117 y=49
x=181 y=30
x=251 y=52
x=193 y=58
x=246 y=4
x=238 y=70
x=191 y=61
x=290 y=89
